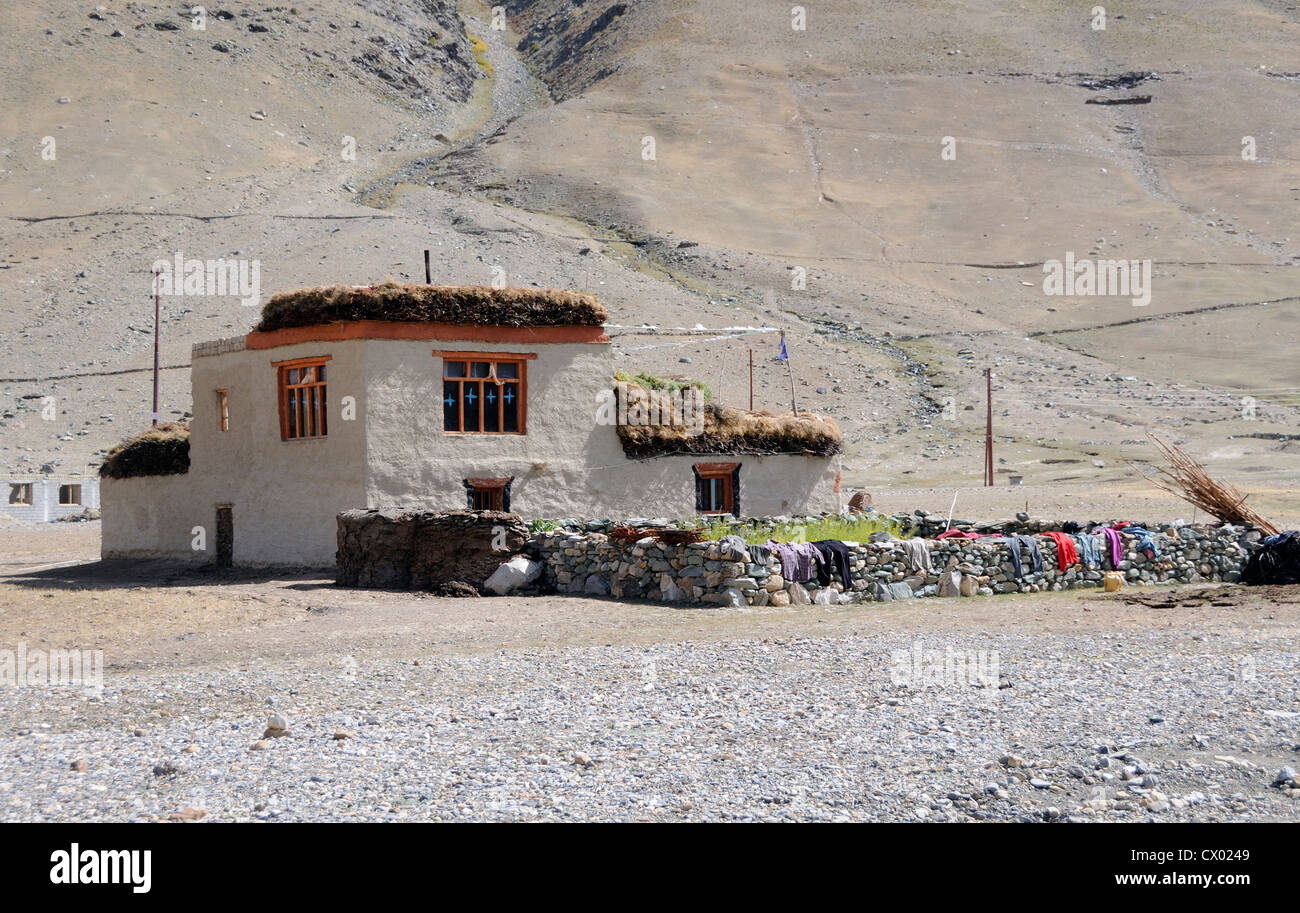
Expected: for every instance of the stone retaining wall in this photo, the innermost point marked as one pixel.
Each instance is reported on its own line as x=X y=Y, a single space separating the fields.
x=593 y=564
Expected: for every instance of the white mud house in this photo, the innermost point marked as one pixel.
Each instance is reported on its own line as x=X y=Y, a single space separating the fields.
x=51 y=499
x=438 y=398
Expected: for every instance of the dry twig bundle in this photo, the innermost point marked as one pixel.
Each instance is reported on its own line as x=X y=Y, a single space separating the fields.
x=1187 y=479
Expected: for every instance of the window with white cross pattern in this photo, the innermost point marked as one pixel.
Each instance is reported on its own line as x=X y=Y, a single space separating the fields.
x=483 y=395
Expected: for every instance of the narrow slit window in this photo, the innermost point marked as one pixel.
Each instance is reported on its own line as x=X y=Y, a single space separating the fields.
x=223 y=411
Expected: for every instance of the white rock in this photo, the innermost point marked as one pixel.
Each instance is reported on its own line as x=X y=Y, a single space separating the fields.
x=733 y=597
x=515 y=574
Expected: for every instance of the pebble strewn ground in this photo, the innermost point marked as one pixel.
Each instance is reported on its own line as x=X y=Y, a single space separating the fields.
x=1098 y=726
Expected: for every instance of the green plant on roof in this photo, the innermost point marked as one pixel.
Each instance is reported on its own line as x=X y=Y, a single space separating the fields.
x=664 y=384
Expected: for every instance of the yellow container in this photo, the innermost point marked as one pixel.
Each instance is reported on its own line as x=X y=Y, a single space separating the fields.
x=1113 y=581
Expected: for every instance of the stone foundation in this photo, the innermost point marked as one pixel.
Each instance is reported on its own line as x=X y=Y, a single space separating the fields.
x=700 y=573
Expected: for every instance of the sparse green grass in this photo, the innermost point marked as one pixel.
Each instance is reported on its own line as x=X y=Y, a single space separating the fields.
x=846 y=529
x=664 y=384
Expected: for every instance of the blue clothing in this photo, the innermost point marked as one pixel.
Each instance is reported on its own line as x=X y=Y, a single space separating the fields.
x=1089 y=549
x=1145 y=542
x=1013 y=544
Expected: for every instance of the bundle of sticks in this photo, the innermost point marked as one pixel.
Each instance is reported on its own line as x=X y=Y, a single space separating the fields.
x=1187 y=479
x=663 y=534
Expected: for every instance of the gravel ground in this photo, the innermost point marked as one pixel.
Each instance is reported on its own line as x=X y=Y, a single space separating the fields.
x=1155 y=703
x=1094 y=727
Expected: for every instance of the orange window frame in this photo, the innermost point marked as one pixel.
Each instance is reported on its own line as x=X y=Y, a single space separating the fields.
x=725 y=472
x=494 y=358
x=310 y=411
x=494 y=490
x=223 y=410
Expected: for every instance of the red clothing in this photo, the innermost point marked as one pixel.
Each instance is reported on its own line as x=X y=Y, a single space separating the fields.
x=1066 y=553
x=956 y=534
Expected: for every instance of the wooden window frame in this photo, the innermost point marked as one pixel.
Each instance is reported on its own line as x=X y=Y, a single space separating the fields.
x=494 y=358
x=223 y=409
x=321 y=420
x=24 y=500
x=499 y=488
x=729 y=473
x=71 y=486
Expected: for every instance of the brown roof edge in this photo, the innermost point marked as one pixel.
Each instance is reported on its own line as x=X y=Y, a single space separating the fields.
x=442 y=332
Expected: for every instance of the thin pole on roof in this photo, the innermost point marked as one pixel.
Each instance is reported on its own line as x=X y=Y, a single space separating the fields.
x=794 y=405
x=157 y=311
x=428 y=276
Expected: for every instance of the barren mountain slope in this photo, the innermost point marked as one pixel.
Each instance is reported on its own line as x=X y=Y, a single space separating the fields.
x=775 y=151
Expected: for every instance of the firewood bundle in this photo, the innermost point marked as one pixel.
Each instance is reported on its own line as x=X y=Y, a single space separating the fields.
x=663 y=534
x=1187 y=479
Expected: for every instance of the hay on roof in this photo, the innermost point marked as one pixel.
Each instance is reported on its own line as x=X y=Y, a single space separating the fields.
x=731 y=431
x=160 y=451
x=458 y=304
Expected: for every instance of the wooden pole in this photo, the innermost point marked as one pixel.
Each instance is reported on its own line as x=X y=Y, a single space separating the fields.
x=428 y=276
x=751 y=380
x=794 y=404
x=157 y=312
x=988 y=430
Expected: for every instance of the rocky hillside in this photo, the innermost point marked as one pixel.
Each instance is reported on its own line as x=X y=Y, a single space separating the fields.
x=885 y=181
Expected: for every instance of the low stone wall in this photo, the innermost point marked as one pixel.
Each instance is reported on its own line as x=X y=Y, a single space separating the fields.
x=422 y=550
x=593 y=564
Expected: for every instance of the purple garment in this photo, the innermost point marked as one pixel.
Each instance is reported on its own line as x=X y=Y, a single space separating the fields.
x=1116 y=547
x=799 y=560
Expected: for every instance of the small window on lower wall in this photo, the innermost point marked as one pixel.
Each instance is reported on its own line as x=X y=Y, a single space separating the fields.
x=20 y=493
x=717 y=488
x=488 y=493
x=70 y=494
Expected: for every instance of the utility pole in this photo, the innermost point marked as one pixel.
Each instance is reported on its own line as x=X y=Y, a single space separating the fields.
x=988 y=430
x=157 y=313
x=751 y=380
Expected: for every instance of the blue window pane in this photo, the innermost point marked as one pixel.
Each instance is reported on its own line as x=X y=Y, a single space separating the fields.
x=510 y=407
x=450 y=406
x=471 y=399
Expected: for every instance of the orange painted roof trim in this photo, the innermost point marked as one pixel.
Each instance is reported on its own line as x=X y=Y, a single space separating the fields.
x=443 y=332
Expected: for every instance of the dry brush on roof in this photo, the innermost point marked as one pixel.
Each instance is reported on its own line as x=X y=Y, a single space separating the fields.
x=160 y=451
x=727 y=431
x=458 y=304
